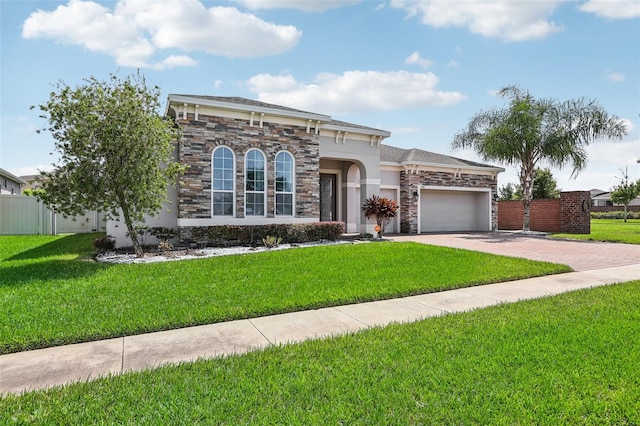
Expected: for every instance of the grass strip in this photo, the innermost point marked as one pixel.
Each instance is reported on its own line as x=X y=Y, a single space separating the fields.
x=611 y=230
x=50 y=296
x=568 y=359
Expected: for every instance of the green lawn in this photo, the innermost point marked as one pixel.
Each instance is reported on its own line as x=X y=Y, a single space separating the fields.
x=613 y=230
x=51 y=294
x=568 y=359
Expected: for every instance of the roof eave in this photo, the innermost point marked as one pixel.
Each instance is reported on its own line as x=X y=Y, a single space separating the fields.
x=410 y=164
x=13 y=177
x=247 y=108
x=361 y=130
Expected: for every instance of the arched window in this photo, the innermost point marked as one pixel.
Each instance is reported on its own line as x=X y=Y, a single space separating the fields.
x=284 y=184
x=255 y=172
x=222 y=190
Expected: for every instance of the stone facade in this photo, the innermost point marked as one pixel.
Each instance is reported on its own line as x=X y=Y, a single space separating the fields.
x=410 y=184
x=199 y=139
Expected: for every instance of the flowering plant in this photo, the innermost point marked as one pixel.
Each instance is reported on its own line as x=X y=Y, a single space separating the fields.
x=382 y=208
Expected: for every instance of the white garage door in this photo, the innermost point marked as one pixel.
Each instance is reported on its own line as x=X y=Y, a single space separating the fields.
x=452 y=210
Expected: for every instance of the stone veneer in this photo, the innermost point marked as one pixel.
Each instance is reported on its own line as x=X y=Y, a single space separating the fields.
x=199 y=139
x=410 y=182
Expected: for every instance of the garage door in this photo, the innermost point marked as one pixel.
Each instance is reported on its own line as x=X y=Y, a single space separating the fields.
x=451 y=210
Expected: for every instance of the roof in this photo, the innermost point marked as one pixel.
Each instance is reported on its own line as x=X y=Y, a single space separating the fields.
x=242 y=101
x=595 y=192
x=258 y=106
x=11 y=176
x=416 y=156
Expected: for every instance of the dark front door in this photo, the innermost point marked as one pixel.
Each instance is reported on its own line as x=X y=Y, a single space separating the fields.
x=327 y=197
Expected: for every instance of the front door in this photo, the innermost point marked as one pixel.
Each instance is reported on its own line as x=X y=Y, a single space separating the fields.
x=327 y=197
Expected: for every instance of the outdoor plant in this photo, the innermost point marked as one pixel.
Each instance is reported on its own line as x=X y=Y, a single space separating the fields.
x=531 y=131
x=271 y=242
x=383 y=209
x=104 y=243
x=626 y=191
x=115 y=150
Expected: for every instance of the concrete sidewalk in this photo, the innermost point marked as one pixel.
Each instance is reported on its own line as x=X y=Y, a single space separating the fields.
x=44 y=368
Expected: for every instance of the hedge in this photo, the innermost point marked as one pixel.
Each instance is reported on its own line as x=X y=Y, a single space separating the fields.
x=241 y=235
x=615 y=214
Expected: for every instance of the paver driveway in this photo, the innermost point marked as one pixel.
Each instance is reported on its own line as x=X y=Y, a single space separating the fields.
x=580 y=255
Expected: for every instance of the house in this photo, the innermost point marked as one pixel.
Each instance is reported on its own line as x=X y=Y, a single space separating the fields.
x=253 y=163
x=601 y=198
x=10 y=184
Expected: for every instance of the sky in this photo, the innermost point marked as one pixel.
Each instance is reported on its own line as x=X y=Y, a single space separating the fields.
x=419 y=69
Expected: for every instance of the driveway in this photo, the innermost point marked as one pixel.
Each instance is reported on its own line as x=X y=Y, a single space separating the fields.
x=580 y=255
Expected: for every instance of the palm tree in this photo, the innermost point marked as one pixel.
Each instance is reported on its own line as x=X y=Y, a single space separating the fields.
x=534 y=130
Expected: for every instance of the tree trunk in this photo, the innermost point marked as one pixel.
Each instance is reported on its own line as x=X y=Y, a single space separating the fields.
x=133 y=235
x=625 y=213
x=526 y=180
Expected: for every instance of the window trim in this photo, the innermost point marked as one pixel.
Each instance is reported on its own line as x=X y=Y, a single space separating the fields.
x=265 y=183
x=293 y=185
x=233 y=189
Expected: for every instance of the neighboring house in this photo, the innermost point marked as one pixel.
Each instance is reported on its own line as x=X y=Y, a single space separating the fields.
x=10 y=184
x=32 y=181
x=603 y=199
x=253 y=163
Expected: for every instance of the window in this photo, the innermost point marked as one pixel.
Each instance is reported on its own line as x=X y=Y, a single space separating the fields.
x=284 y=184
x=223 y=172
x=254 y=183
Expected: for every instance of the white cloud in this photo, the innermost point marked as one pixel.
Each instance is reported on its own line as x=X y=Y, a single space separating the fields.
x=453 y=64
x=354 y=91
x=133 y=32
x=304 y=5
x=614 y=155
x=508 y=20
x=32 y=170
x=612 y=9
x=616 y=77
x=416 y=59
x=174 y=61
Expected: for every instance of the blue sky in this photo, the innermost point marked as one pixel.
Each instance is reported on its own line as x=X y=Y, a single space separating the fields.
x=419 y=69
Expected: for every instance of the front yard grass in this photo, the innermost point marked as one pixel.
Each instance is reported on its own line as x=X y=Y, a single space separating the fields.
x=51 y=294
x=612 y=230
x=568 y=359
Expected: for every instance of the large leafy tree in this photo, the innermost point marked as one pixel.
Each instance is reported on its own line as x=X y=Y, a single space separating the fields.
x=625 y=191
x=530 y=131
x=115 y=150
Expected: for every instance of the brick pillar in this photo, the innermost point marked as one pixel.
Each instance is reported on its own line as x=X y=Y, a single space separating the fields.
x=575 y=212
x=408 y=203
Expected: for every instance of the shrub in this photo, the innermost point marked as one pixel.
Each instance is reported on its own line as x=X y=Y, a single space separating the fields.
x=270 y=241
x=104 y=243
x=163 y=234
x=165 y=245
x=229 y=235
x=382 y=209
x=614 y=214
